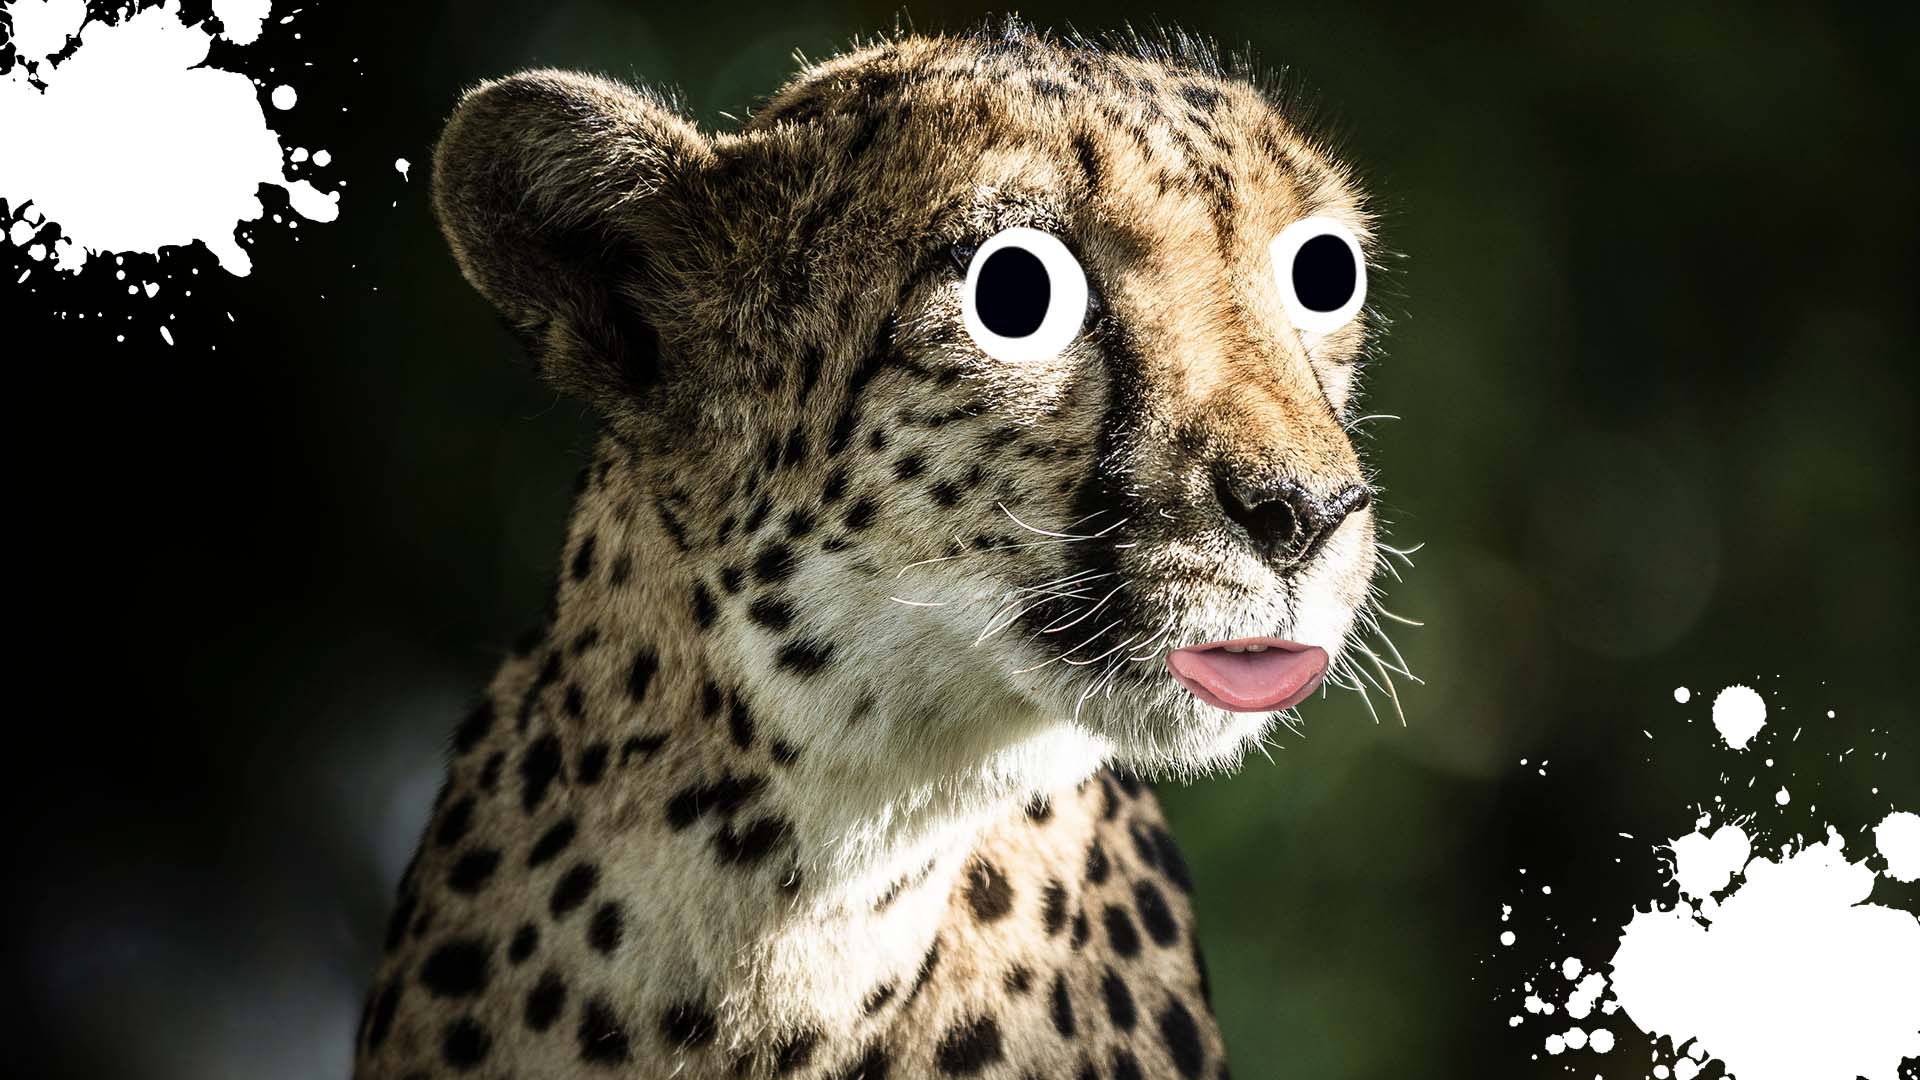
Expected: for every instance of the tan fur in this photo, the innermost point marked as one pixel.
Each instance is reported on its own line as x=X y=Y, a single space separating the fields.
x=859 y=634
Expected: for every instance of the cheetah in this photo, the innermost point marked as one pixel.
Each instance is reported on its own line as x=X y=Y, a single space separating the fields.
x=973 y=445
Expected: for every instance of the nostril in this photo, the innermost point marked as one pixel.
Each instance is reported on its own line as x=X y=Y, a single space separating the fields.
x=1271 y=518
x=1286 y=523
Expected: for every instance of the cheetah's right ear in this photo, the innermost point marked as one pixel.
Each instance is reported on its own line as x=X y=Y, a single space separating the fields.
x=562 y=196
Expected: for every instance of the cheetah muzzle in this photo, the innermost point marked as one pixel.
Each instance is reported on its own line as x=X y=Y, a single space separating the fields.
x=973 y=442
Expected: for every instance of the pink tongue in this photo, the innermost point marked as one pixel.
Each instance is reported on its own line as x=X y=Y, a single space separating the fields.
x=1279 y=678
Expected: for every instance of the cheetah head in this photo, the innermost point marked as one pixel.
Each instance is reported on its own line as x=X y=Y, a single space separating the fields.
x=996 y=386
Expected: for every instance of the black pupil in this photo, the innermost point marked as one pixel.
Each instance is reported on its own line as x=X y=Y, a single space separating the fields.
x=1324 y=273
x=1012 y=291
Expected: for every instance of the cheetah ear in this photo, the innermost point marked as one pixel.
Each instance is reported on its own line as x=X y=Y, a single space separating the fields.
x=561 y=195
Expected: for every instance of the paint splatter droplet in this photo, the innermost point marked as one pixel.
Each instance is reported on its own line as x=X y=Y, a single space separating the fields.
x=1739 y=713
x=1782 y=797
x=1898 y=838
x=1506 y=937
x=401 y=165
x=284 y=97
x=137 y=99
x=1682 y=695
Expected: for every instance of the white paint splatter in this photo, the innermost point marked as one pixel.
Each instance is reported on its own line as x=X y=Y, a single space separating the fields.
x=284 y=97
x=1898 y=838
x=401 y=165
x=154 y=149
x=1774 y=963
x=1792 y=977
x=41 y=27
x=1682 y=695
x=1506 y=937
x=1739 y=713
x=242 y=19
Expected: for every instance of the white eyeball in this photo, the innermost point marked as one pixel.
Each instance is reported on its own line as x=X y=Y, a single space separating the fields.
x=1025 y=297
x=1321 y=274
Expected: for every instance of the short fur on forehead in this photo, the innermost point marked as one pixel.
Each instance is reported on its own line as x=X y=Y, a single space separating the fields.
x=655 y=271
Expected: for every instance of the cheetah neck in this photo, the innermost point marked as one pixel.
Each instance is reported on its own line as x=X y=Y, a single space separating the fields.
x=770 y=828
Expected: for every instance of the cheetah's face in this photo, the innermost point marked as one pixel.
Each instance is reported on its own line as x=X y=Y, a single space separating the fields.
x=1053 y=348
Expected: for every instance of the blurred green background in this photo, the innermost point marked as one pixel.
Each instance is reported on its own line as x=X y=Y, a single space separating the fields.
x=1654 y=355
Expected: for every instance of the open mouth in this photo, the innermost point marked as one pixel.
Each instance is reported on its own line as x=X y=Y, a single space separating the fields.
x=1256 y=674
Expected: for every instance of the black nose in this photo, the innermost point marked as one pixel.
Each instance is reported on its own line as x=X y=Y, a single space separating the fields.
x=1286 y=523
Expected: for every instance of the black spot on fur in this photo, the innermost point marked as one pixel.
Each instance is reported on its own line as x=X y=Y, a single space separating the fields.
x=606 y=928
x=1121 y=933
x=804 y=657
x=583 y=558
x=1125 y=1065
x=1081 y=931
x=873 y=1065
x=1155 y=915
x=1053 y=906
x=1098 y=866
x=592 y=764
x=687 y=1025
x=722 y=796
x=771 y=612
x=525 y=940
x=783 y=752
x=454 y=822
x=621 y=570
x=572 y=889
x=910 y=466
x=1018 y=980
x=836 y=486
x=380 y=1014
x=796 y=1052
x=740 y=724
x=490 y=771
x=544 y=1002
x=472 y=870
x=752 y=844
x=551 y=843
x=1061 y=1007
x=703 y=609
x=946 y=493
x=1170 y=862
x=456 y=969
x=1182 y=1038
x=799 y=524
x=602 y=1040
x=877 y=998
x=920 y=977
x=464 y=1044
x=731 y=578
x=988 y=893
x=643 y=745
x=860 y=514
x=640 y=676
x=969 y=1047
x=575 y=701
x=774 y=564
x=1200 y=965
x=401 y=915
x=1119 y=1000
x=672 y=524
x=538 y=767
x=473 y=728
x=758 y=514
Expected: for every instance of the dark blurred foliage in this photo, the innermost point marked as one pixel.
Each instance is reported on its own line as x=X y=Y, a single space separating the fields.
x=1654 y=352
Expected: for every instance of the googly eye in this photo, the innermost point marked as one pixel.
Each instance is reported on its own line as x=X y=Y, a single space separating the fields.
x=1025 y=297
x=1321 y=274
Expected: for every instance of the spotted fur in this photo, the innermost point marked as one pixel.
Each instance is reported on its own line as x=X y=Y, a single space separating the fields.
x=825 y=762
